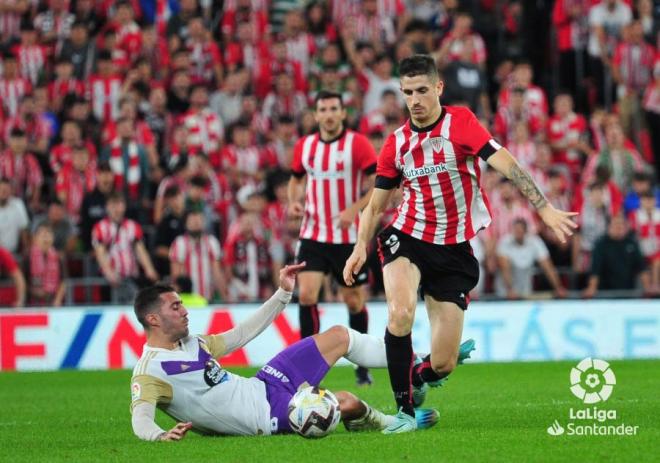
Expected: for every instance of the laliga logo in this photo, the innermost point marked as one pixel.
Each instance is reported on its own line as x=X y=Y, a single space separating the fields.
x=592 y=380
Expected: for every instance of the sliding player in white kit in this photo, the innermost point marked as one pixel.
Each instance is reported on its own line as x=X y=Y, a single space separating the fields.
x=179 y=374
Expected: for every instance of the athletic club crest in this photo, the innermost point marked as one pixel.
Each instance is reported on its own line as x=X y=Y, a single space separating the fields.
x=436 y=144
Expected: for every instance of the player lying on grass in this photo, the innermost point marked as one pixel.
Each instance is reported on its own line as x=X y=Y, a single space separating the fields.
x=179 y=374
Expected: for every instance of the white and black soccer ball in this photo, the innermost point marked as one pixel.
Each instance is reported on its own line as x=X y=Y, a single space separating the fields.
x=314 y=412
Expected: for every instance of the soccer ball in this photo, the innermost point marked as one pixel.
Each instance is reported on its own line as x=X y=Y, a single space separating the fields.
x=314 y=412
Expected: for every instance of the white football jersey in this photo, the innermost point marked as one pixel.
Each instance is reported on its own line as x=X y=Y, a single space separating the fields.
x=188 y=384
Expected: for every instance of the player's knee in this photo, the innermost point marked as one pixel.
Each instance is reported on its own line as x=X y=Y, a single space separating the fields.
x=443 y=366
x=401 y=317
x=353 y=302
x=339 y=334
x=307 y=297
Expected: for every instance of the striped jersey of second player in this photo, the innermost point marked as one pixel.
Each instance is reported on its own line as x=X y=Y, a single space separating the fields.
x=336 y=170
x=438 y=168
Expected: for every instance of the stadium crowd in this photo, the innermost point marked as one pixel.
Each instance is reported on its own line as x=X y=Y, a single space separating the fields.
x=151 y=139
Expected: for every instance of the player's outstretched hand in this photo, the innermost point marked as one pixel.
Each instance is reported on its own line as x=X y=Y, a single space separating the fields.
x=354 y=264
x=288 y=276
x=178 y=432
x=559 y=221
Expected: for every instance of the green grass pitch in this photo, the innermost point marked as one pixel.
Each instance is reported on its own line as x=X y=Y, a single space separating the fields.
x=489 y=412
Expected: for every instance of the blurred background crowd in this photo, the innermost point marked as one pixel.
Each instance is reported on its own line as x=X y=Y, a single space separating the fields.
x=143 y=140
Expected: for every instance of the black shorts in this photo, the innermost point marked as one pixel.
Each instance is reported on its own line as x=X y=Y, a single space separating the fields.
x=448 y=272
x=328 y=258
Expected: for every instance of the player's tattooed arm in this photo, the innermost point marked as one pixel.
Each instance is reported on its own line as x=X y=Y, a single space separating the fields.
x=527 y=186
x=504 y=162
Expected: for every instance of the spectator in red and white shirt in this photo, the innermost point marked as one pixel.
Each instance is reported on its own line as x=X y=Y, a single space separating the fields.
x=452 y=44
x=197 y=254
x=516 y=111
x=510 y=207
x=566 y=134
x=10 y=19
x=246 y=49
x=22 y=169
x=74 y=180
x=118 y=246
x=54 y=24
x=651 y=105
x=248 y=260
x=129 y=36
x=205 y=56
x=595 y=213
x=63 y=84
x=521 y=146
x=129 y=162
x=299 y=43
x=36 y=127
x=620 y=159
x=9 y=268
x=143 y=134
x=237 y=12
x=632 y=70
x=104 y=89
x=285 y=100
x=46 y=272
x=390 y=108
x=243 y=160
x=571 y=31
x=645 y=221
x=278 y=63
x=32 y=57
x=535 y=99
x=12 y=86
x=205 y=129
x=71 y=134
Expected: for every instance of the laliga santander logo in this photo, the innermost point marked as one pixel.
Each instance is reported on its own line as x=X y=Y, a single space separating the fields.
x=592 y=380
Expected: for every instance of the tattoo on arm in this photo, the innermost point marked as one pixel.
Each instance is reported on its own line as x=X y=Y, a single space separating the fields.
x=527 y=186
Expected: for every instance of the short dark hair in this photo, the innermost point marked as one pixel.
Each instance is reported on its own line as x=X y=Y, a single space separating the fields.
x=328 y=95
x=198 y=181
x=172 y=192
x=115 y=197
x=148 y=301
x=185 y=284
x=419 y=65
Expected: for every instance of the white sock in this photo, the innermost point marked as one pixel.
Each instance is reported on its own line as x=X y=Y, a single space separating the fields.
x=377 y=418
x=365 y=350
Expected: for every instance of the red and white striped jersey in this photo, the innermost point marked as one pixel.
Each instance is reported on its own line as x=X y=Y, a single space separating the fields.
x=104 y=92
x=443 y=202
x=75 y=185
x=204 y=57
x=23 y=172
x=635 y=64
x=336 y=171
x=250 y=160
x=45 y=270
x=60 y=155
x=10 y=25
x=61 y=88
x=119 y=241
x=564 y=131
x=301 y=48
x=31 y=61
x=11 y=92
x=502 y=224
x=197 y=257
x=536 y=102
x=647 y=227
x=143 y=133
x=205 y=131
